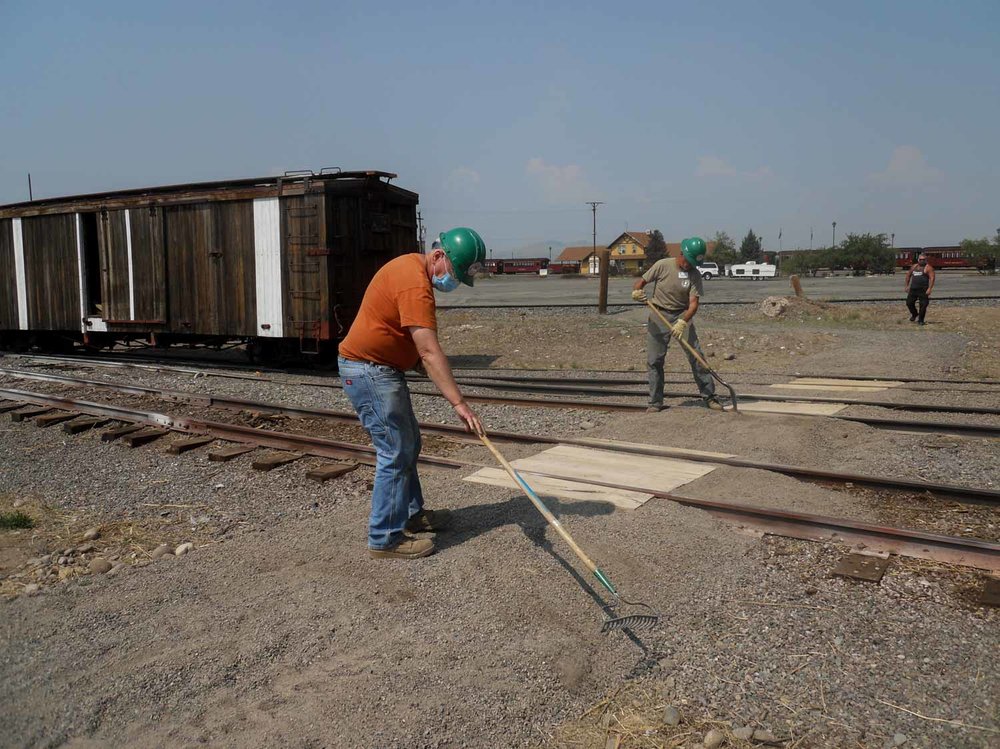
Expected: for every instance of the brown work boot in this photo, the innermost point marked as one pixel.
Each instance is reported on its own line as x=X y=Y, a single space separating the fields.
x=429 y=521
x=714 y=404
x=654 y=409
x=408 y=548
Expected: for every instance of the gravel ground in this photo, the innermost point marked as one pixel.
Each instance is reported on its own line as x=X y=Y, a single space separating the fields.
x=285 y=634
x=278 y=629
x=959 y=340
x=792 y=439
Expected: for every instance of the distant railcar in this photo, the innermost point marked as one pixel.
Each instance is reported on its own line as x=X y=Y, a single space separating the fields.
x=564 y=266
x=522 y=265
x=938 y=257
x=280 y=263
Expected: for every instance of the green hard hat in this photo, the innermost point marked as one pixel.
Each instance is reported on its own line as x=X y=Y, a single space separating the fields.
x=465 y=248
x=693 y=249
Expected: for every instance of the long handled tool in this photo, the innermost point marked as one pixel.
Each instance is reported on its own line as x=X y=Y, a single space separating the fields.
x=690 y=349
x=645 y=618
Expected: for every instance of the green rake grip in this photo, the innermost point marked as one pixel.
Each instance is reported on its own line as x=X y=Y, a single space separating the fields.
x=605 y=582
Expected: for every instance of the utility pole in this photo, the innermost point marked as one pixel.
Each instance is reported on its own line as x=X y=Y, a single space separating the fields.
x=420 y=232
x=602 y=298
x=810 y=238
x=30 y=195
x=892 y=241
x=834 y=234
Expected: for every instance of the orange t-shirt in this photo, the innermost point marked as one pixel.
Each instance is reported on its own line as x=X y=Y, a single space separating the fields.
x=399 y=296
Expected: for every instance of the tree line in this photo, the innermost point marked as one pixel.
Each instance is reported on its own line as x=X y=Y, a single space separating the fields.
x=860 y=253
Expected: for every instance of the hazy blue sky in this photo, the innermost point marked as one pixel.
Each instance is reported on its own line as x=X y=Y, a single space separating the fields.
x=507 y=116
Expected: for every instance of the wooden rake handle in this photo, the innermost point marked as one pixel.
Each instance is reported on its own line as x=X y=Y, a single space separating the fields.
x=547 y=514
x=687 y=346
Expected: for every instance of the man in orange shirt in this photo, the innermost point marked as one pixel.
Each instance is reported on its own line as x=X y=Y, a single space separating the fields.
x=395 y=329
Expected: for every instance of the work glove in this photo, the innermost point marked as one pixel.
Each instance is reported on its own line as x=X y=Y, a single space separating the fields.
x=638 y=295
x=680 y=329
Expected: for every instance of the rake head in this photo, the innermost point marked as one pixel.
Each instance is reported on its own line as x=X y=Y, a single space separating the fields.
x=642 y=617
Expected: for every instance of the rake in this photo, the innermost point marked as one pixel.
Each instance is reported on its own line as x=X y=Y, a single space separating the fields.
x=645 y=617
x=701 y=360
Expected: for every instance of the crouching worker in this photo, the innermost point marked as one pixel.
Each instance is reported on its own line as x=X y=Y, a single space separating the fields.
x=395 y=330
x=677 y=290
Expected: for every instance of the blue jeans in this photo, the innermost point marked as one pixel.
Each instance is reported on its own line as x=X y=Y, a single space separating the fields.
x=381 y=398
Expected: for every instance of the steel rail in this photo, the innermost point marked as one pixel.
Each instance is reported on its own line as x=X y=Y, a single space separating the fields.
x=136 y=359
x=740 y=377
x=318 y=446
x=987 y=381
x=956 y=491
x=958 y=429
x=580 y=382
x=950 y=549
x=528 y=386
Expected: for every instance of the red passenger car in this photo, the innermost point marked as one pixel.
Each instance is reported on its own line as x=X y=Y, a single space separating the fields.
x=939 y=257
x=522 y=265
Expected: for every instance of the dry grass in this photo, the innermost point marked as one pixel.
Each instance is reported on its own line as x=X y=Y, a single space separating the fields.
x=55 y=530
x=632 y=718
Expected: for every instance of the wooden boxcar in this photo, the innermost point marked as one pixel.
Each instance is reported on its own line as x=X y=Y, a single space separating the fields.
x=278 y=262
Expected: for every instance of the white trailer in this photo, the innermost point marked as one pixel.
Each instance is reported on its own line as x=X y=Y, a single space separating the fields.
x=752 y=269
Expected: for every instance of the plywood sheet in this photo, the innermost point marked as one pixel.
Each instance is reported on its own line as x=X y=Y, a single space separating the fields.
x=575 y=466
x=644 y=446
x=852 y=383
x=830 y=388
x=808 y=409
x=548 y=487
x=824 y=383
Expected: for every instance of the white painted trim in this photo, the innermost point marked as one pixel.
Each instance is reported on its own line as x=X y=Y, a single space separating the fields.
x=81 y=273
x=131 y=269
x=22 y=284
x=267 y=266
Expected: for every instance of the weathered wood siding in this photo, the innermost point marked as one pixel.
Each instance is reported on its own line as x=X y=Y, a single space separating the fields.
x=8 y=277
x=115 y=277
x=234 y=260
x=148 y=264
x=210 y=262
x=365 y=229
x=51 y=272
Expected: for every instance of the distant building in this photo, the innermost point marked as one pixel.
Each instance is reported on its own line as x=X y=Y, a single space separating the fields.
x=583 y=255
x=628 y=254
x=628 y=251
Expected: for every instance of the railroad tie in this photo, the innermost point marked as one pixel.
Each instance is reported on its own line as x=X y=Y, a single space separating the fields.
x=228 y=453
x=112 y=434
x=57 y=418
x=6 y=406
x=144 y=436
x=192 y=443
x=329 y=471
x=82 y=425
x=991 y=592
x=29 y=414
x=862 y=567
x=275 y=460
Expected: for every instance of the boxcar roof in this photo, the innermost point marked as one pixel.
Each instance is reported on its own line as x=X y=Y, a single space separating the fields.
x=233 y=188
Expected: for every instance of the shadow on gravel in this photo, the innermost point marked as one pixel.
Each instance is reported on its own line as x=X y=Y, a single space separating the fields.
x=469 y=522
x=473 y=361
